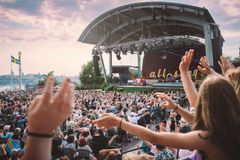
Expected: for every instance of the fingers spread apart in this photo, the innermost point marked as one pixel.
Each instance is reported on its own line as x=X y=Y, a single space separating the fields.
x=47 y=93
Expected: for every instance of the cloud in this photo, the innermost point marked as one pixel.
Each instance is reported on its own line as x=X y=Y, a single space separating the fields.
x=231 y=8
x=64 y=20
x=28 y=6
x=7 y=1
x=231 y=33
x=51 y=23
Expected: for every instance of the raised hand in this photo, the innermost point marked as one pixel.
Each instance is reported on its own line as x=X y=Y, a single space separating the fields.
x=107 y=120
x=168 y=102
x=186 y=61
x=225 y=65
x=47 y=112
x=204 y=67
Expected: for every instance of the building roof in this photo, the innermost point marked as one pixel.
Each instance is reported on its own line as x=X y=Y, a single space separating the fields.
x=149 y=20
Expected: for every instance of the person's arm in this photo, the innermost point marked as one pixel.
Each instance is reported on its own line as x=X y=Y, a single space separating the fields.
x=185 y=114
x=112 y=139
x=188 y=85
x=204 y=67
x=225 y=65
x=171 y=105
x=189 y=140
x=45 y=115
x=104 y=152
x=38 y=148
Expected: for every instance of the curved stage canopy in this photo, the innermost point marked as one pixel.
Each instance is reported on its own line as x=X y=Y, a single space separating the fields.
x=152 y=20
x=155 y=19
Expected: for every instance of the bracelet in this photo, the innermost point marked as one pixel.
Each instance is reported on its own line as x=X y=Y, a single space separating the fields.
x=39 y=135
x=175 y=108
x=120 y=124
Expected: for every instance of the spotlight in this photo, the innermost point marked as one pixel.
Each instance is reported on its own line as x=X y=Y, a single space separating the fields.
x=107 y=50
x=124 y=50
x=131 y=49
x=118 y=56
x=116 y=51
x=145 y=50
x=94 y=52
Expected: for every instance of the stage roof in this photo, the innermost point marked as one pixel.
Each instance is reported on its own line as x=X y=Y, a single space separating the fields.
x=148 y=19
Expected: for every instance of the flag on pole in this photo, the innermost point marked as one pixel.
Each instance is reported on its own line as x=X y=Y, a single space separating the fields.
x=15 y=60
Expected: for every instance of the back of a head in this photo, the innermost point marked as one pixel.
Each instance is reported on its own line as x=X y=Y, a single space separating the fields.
x=143 y=156
x=70 y=139
x=111 y=156
x=218 y=111
x=233 y=75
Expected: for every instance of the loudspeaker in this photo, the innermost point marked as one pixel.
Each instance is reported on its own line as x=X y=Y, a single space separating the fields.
x=217 y=44
x=96 y=65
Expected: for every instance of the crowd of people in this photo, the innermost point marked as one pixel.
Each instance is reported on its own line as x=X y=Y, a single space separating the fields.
x=67 y=124
x=77 y=136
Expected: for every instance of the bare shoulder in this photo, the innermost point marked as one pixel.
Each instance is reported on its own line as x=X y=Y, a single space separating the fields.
x=205 y=145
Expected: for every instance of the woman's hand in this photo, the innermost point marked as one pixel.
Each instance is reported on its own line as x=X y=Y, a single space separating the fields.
x=225 y=65
x=168 y=102
x=107 y=120
x=186 y=61
x=204 y=67
x=47 y=112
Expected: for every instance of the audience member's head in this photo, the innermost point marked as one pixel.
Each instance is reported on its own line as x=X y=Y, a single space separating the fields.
x=233 y=75
x=70 y=139
x=217 y=112
x=144 y=156
x=82 y=142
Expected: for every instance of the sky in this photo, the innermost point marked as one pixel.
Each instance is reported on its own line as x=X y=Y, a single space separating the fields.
x=46 y=32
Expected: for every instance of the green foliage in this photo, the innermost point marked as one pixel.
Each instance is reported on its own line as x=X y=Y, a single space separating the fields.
x=109 y=79
x=236 y=59
x=87 y=87
x=88 y=78
x=41 y=83
x=228 y=57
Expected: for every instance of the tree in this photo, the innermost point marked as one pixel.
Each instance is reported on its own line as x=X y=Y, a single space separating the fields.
x=45 y=77
x=87 y=75
x=236 y=61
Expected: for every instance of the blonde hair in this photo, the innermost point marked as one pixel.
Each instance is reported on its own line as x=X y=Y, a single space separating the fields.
x=233 y=75
x=143 y=156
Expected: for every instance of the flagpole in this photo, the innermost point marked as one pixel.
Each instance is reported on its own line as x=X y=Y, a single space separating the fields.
x=11 y=72
x=20 y=71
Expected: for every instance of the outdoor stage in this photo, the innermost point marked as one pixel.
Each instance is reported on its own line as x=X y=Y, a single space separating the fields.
x=152 y=87
x=159 y=34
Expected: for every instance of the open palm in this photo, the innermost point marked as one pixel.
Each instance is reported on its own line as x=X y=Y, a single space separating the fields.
x=47 y=112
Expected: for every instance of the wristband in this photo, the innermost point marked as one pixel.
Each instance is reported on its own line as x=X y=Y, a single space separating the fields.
x=39 y=135
x=175 y=108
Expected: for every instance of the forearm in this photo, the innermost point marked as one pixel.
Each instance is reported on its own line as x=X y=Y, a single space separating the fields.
x=176 y=140
x=142 y=132
x=186 y=115
x=111 y=140
x=189 y=88
x=38 y=148
x=214 y=73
